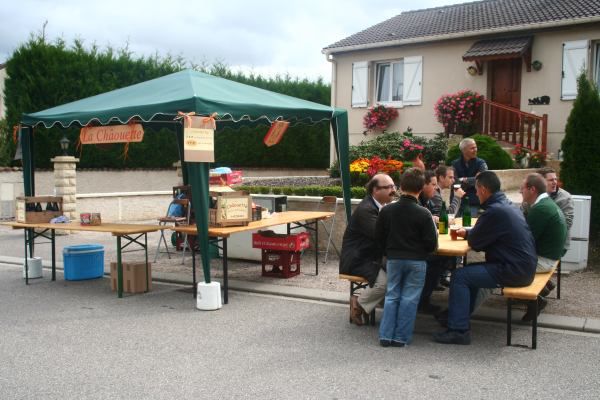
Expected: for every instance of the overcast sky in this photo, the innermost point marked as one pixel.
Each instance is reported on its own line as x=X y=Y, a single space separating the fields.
x=262 y=36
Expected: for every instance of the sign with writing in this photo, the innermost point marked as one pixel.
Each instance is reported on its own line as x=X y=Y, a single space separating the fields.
x=199 y=139
x=234 y=208
x=111 y=134
x=275 y=133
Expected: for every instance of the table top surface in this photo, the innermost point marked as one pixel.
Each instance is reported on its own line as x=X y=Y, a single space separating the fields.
x=276 y=219
x=115 y=229
x=449 y=247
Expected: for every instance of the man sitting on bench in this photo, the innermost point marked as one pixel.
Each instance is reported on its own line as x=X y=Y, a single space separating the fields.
x=548 y=226
x=361 y=255
x=502 y=232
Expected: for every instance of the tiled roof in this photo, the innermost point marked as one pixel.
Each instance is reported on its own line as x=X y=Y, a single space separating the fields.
x=479 y=16
x=498 y=47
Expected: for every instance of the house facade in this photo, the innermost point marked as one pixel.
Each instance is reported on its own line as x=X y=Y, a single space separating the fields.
x=525 y=54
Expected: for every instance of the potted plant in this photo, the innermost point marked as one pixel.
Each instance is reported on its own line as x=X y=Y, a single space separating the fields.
x=378 y=118
x=458 y=111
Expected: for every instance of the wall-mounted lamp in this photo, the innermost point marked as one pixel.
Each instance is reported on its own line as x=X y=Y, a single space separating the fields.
x=472 y=70
x=64 y=145
x=536 y=65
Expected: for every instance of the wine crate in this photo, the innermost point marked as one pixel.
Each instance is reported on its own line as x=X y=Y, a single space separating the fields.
x=26 y=204
x=230 y=209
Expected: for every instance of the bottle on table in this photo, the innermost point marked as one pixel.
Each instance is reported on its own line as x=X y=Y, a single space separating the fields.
x=466 y=217
x=443 y=221
x=38 y=207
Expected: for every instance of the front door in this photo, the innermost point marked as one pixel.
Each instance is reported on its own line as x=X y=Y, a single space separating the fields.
x=505 y=88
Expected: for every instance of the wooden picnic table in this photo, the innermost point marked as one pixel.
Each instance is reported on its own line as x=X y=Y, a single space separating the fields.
x=120 y=231
x=293 y=220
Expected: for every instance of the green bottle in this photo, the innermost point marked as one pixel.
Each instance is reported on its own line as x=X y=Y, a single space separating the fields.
x=466 y=217
x=443 y=222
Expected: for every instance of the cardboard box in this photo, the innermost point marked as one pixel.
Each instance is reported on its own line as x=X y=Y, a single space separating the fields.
x=134 y=277
x=26 y=216
x=233 y=178
x=230 y=209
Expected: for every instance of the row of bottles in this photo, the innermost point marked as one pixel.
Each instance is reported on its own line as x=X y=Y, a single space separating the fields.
x=443 y=220
x=50 y=206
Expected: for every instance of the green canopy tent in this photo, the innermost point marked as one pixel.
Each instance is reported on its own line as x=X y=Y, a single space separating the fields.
x=159 y=101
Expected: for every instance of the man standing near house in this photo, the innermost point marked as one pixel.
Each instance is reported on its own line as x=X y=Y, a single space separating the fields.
x=361 y=255
x=466 y=168
x=548 y=226
x=445 y=180
x=510 y=259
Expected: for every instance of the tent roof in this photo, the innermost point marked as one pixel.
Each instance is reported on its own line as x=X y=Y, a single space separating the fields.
x=161 y=98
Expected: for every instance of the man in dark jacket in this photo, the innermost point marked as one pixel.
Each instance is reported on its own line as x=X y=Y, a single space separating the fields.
x=510 y=258
x=466 y=169
x=361 y=255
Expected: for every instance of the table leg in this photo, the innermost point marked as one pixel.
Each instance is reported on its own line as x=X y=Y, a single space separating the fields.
x=119 y=269
x=147 y=275
x=225 y=273
x=26 y=231
x=195 y=289
x=53 y=240
x=317 y=247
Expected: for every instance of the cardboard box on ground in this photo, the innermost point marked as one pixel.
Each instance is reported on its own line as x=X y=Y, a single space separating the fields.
x=134 y=277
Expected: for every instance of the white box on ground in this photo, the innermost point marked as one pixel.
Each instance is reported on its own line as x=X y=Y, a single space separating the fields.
x=34 y=266
x=239 y=245
x=208 y=296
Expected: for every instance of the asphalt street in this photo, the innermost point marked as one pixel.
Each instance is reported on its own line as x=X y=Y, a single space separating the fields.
x=77 y=340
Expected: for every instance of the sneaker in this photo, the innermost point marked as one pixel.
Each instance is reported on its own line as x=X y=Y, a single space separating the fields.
x=528 y=317
x=453 y=337
x=385 y=343
x=397 y=344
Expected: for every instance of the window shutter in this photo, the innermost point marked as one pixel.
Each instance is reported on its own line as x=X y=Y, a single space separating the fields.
x=574 y=61
x=360 y=79
x=413 y=76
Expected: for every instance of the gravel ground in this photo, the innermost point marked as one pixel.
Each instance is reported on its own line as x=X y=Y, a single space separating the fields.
x=293 y=181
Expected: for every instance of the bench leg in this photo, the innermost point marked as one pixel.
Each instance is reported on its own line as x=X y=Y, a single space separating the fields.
x=508 y=321
x=534 y=325
x=558 y=280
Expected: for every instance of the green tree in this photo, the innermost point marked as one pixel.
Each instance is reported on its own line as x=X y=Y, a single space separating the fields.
x=580 y=167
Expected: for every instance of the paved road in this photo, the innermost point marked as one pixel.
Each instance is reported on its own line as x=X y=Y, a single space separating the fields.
x=76 y=340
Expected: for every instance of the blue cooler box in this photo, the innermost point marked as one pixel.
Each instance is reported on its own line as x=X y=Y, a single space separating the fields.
x=83 y=261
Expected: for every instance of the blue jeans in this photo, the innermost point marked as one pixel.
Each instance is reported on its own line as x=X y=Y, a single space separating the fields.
x=464 y=286
x=405 y=282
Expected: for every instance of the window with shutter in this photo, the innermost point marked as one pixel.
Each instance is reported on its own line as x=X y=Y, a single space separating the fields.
x=574 y=62
x=398 y=82
x=360 y=79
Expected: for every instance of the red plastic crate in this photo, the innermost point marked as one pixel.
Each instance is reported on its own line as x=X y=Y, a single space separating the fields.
x=292 y=242
x=233 y=178
x=280 y=264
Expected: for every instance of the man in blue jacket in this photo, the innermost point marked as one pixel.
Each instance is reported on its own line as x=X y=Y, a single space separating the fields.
x=510 y=257
x=466 y=168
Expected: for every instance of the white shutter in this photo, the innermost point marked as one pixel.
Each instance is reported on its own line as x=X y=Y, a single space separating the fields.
x=413 y=76
x=574 y=62
x=360 y=79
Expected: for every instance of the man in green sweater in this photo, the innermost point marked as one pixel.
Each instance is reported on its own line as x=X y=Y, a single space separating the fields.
x=548 y=226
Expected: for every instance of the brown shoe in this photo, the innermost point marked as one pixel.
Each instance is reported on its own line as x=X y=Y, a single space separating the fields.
x=356 y=311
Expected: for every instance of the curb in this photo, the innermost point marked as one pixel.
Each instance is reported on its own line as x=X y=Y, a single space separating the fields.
x=578 y=324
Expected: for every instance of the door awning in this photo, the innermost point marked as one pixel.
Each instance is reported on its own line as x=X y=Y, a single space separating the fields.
x=501 y=49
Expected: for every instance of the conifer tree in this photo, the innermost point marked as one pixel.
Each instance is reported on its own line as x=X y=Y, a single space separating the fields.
x=580 y=168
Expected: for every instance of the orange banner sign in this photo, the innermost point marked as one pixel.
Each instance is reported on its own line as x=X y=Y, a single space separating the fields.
x=111 y=134
x=275 y=133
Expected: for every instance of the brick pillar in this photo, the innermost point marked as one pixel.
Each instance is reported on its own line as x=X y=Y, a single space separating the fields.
x=65 y=184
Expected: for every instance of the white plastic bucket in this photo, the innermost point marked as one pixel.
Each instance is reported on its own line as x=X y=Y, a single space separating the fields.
x=34 y=266
x=208 y=297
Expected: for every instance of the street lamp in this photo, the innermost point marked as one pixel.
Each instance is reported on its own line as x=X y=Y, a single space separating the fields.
x=64 y=145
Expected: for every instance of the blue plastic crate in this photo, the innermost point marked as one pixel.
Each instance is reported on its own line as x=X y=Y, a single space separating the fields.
x=83 y=261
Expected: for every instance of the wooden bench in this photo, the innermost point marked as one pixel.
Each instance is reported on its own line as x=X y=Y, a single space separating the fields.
x=356 y=283
x=529 y=294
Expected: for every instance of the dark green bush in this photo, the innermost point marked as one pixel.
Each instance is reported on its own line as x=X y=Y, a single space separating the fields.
x=332 y=191
x=487 y=149
x=358 y=192
x=314 y=190
x=276 y=190
x=264 y=189
x=300 y=191
x=287 y=190
x=580 y=168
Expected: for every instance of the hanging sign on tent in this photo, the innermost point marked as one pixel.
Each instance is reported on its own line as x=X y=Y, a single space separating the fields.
x=275 y=133
x=198 y=138
x=111 y=134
